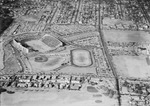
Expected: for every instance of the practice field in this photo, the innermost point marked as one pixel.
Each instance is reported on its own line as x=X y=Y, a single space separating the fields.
x=46 y=63
x=81 y=57
x=132 y=66
x=126 y=36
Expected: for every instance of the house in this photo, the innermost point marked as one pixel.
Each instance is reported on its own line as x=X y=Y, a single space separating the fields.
x=75 y=86
x=119 y=26
x=124 y=90
x=36 y=84
x=53 y=79
x=62 y=81
x=41 y=77
x=47 y=77
x=4 y=78
x=24 y=80
x=46 y=84
x=22 y=85
x=62 y=86
x=34 y=77
x=94 y=80
x=75 y=79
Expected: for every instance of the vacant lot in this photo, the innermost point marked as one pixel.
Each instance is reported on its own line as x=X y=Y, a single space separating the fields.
x=129 y=66
x=126 y=36
x=109 y=21
x=132 y=66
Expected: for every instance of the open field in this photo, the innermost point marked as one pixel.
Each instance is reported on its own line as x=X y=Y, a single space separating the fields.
x=126 y=36
x=132 y=66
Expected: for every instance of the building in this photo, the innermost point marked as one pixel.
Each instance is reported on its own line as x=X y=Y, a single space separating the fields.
x=75 y=86
x=94 y=80
x=22 y=85
x=19 y=46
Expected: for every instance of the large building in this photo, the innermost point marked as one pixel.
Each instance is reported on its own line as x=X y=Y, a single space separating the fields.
x=19 y=46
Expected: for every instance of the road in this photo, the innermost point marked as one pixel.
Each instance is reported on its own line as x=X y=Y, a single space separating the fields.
x=108 y=58
x=78 y=9
x=53 y=15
